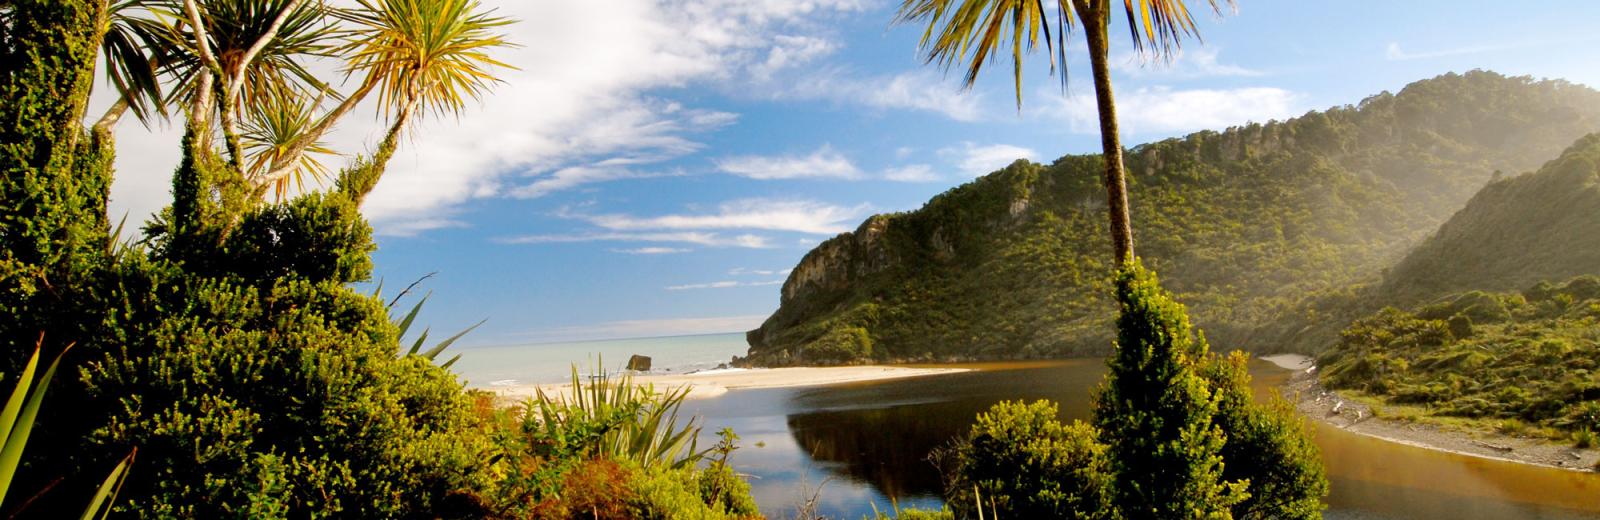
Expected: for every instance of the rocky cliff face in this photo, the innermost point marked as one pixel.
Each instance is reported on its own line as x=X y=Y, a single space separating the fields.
x=1246 y=226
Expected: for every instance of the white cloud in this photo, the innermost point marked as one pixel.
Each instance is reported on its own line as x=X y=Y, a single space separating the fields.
x=652 y=250
x=689 y=237
x=911 y=173
x=791 y=51
x=801 y=216
x=566 y=105
x=574 y=176
x=1196 y=62
x=823 y=163
x=1163 y=109
x=915 y=90
x=1394 y=53
x=726 y=284
x=978 y=160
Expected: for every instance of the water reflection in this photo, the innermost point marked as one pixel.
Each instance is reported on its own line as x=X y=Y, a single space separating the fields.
x=869 y=444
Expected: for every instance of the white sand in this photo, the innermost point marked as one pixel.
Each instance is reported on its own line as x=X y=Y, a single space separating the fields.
x=712 y=383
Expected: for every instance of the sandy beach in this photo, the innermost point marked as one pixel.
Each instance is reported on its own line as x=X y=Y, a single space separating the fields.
x=1329 y=407
x=712 y=383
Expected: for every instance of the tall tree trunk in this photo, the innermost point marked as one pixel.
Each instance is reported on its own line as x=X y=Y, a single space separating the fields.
x=359 y=180
x=1095 y=30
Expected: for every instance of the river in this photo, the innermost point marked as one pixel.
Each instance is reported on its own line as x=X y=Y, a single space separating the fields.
x=853 y=447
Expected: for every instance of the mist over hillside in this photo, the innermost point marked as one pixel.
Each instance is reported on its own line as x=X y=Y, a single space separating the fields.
x=1262 y=230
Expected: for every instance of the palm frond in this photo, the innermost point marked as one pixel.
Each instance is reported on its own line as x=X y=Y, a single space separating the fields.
x=615 y=418
x=16 y=420
x=134 y=49
x=970 y=33
x=431 y=52
x=276 y=122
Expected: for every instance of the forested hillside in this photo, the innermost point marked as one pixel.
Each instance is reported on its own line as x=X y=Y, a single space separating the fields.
x=1254 y=228
x=1526 y=358
x=1518 y=231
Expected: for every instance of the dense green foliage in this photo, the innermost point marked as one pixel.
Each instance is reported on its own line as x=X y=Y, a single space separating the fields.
x=1263 y=229
x=231 y=351
x=1158 y=414
x=1176 y=434
x=1514 y=233
x=1022 y=462
x=1522 y=358
x=612 y=449
x=1268 y=445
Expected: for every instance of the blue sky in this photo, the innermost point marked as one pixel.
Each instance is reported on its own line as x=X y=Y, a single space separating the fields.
x=655 y=167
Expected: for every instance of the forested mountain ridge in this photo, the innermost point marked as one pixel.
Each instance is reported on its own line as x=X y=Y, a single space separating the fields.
x=1246 y=226
x=1517 y=231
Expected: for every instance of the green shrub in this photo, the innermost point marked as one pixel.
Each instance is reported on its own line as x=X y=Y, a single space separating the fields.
x=840 y=345
x=1584 y=438
x=1024 y=463
x=714 y=493
x=615 y=419
x=1157 y=414
x=1268 y=446
x=613 y=439
x=285 y=400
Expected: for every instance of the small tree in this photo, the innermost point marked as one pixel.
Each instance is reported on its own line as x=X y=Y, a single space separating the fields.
x=1267 y=446
x=1023 y=463
x=1158 y=415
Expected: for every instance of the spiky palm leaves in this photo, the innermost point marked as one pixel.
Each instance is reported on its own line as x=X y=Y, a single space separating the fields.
x=243 y=63
x=16 y=425
x=614 y=418
x=274 y=125
x=969 y=33
x=427 y=52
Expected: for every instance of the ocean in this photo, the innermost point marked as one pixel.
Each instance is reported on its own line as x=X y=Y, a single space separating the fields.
x=487 y=367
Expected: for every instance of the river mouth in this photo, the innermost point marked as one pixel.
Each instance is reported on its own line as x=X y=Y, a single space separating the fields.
x=867 y=444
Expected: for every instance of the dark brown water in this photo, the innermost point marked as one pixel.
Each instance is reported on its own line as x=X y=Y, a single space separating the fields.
x=867 y=444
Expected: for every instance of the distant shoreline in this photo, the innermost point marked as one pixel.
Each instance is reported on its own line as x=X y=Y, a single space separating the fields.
x=1318 y=403
x=713 y=383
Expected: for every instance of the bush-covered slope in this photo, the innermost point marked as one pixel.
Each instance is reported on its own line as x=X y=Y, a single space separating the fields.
x=1246 y=226
x=1530 y=357
x=1518 y=231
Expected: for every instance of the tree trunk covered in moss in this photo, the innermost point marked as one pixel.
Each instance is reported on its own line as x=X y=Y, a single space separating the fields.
x=46 y=72
x=358 y=180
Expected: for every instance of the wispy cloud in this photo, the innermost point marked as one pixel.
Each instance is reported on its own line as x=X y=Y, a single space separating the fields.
x=919 y=90
x=1163 y=109
x=574 y=176
x=726 y=284
x=802 y=216
x=977 y=159
x=652 y=250
x=689 y=237
x=1394 y=53
x=1196 y=62
x=823 y=163
x=792 y=51
x=911 y=173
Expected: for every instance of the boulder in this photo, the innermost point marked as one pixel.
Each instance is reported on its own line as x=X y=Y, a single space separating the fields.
x=639 y=363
